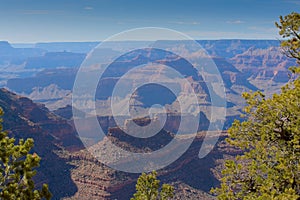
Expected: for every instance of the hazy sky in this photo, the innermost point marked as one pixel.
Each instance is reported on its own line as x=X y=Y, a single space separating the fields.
x=95 y=20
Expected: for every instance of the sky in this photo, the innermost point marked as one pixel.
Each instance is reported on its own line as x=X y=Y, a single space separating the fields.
x=31 y=21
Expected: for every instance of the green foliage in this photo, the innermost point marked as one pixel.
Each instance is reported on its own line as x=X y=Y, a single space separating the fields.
x=147 y=188
x=269 y=168
x=270 y=138
x=16 y=167
x=289 y=29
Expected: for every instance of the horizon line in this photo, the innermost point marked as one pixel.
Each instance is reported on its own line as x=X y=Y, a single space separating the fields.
x=94 y=41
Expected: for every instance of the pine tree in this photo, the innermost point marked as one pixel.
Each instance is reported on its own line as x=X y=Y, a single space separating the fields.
x=16 y=167
x=148 y=188
x=269 y=168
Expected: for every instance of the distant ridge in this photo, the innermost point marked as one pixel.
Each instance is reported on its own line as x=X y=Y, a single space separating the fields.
x=85 y=47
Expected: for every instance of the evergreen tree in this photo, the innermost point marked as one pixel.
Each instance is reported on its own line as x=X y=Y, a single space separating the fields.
x=148 y=188
x=269 y=168
x=289 y=29
x=16 y=167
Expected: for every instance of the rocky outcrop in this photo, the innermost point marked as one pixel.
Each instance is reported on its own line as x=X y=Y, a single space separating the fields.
x=267 y=64
x=52 y=135
x=243 y=64
x=24 y=112
x=192 y=177
x=75 y=174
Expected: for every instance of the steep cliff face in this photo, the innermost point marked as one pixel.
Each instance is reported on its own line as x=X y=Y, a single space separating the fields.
x=192 y=177
x=271 y=57
x=244 y=65
x=73 y=173
x=53 y=86
x=266 y=68
x=21 y=111
x=269 y=65
x=51 y=134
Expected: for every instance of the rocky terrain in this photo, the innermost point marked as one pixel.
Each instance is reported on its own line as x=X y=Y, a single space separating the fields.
x=43 y=78
x=192 y=177
x=73 y=173
x=244 y=65
x=51 y=134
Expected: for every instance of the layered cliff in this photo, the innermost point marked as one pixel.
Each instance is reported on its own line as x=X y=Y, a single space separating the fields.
x=52 y=135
